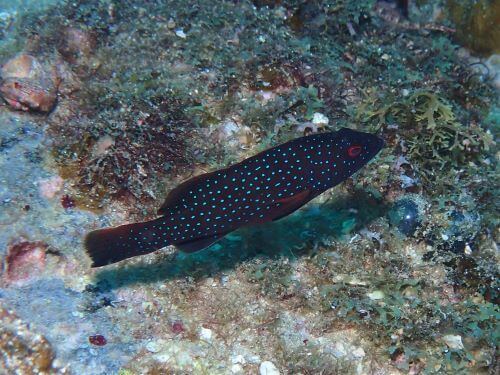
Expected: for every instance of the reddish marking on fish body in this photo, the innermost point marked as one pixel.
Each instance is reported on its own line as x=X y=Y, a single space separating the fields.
x=295 y=198
x=354 y=150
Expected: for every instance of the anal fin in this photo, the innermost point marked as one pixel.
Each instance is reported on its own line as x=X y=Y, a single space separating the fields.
x=197 y=245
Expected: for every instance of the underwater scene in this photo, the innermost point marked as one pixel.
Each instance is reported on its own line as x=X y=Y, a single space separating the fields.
x=249 y=187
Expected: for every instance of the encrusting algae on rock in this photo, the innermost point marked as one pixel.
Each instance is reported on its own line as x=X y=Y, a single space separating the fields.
x=395 y=270
x=477 y=24
x=23 y=351
x=27 y=85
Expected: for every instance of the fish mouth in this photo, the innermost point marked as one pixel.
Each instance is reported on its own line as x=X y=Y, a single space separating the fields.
x=380 y=144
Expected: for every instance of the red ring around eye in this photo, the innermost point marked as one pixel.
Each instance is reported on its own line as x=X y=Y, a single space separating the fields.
x=354 y=151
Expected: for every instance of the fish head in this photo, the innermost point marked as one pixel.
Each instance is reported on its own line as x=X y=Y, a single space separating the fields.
x=354 y=149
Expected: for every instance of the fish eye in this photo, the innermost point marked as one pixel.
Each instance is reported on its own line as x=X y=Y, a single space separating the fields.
x=353 y=151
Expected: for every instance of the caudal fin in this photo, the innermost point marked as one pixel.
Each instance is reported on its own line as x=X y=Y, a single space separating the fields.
x=110 y=245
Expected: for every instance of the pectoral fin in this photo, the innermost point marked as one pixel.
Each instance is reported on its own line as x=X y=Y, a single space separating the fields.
x=286 y=206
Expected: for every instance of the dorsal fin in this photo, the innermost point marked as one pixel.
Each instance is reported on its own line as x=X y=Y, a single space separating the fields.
x=179 y=192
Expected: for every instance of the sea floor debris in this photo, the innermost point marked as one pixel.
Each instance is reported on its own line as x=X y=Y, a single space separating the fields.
x=395 y=271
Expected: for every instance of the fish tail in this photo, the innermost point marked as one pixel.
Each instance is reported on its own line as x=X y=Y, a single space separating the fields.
x=110 y=245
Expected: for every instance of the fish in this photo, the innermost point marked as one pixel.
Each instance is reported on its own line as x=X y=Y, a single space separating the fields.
x=403 y=7
x=263 y=188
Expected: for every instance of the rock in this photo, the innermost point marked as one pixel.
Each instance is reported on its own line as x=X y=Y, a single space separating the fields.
x=493 y=64
x=453 y=341
x=206 y=334
x=49 y=187
x=238 y=359
x=407 y=214
x=338 y=348
x=23 y=352
x=358 y=353
x=476 y=24
x=232 y=135
x=76 y=44
x=180 y=33
x=236 y=369
x=268 y=368
x=103 y=144
x=28 y=85
x=320 y=119
x=461 y=230
x=25 y=260
x=376 y=295
x=153 y=347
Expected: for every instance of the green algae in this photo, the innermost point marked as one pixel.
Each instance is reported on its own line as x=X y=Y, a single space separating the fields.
x=437 y=141
x=411 y=318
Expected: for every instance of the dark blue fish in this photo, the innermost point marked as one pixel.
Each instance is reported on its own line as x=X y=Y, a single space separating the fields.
x=260 y=189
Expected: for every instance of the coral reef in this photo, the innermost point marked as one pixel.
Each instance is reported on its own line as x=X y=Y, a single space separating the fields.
x=24 y=352
x=394 y=271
